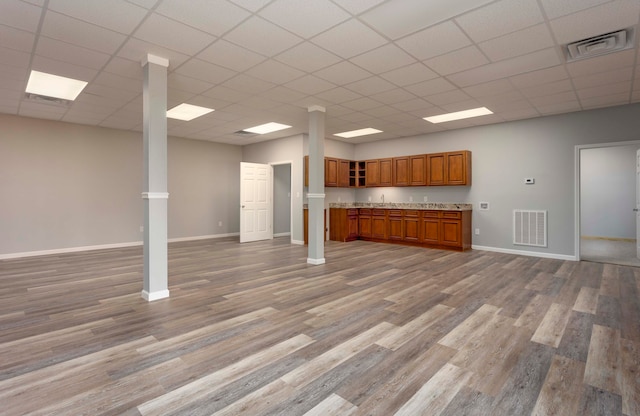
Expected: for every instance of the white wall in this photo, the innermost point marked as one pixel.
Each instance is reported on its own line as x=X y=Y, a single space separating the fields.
x=608 y=192
x=67 y=186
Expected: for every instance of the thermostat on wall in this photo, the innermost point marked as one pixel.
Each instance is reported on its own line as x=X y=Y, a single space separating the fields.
x=484 y=206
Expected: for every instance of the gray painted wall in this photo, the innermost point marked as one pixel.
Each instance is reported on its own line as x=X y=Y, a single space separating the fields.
x=608 y=174
x=282 y=199
x=284 y=150
x=66 y=186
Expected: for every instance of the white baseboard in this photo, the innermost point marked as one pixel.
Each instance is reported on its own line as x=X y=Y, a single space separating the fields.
x=297 y=242
x=526 y=253
x=150 y=297
x=281 y=234
x=315 y=262
x=105 y=246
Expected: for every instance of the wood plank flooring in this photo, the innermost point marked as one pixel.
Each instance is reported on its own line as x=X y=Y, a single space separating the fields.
x=380 y=329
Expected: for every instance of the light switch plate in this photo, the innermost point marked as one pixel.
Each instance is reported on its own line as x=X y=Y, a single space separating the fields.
x=529 y=181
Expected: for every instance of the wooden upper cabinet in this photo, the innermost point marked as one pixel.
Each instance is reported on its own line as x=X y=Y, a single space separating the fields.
x=306 y=171
x=400 y=171
x=418 y=170
x=451 y=168
x=372 y=172
x=330 y=172
x=385 y=167
x=344 y=170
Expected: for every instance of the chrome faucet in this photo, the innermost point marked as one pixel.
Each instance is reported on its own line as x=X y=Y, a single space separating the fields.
x=382 y=198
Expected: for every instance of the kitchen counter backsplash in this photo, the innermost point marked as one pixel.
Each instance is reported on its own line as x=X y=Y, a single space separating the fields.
x=445 y=206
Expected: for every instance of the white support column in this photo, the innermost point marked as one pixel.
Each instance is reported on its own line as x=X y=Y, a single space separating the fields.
x=315 y=195
x=154 y=193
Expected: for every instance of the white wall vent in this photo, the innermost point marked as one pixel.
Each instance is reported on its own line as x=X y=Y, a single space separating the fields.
x=600 y=45
x=530 y=228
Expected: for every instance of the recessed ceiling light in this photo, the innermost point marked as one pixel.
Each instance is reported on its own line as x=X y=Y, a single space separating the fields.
x=188 y=112
x=267 y=128
x=459 y=115
x=55 y=86
x=356 y=133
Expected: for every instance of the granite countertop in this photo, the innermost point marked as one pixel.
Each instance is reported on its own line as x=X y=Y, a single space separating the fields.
x=444 y=206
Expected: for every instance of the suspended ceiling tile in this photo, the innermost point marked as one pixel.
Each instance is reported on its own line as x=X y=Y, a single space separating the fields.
x=370 y=85
x=20 y=15
x=227 y=94
x=520 y=114
x=230 y=56
x=605 y=101
x=308 y=57
x=395 y=95
x=408 y=75
x=531 y=62
x=252 y=5
x=603 y=63
x=539 y=77
x=76 y=55
x=310 y=84
x=212 y=16
x=383 y=59
x=117 y=15
x=116 y=81
x=205 y=71
x=501 y=86
x=602 y=78
x=500 y=18
x=598 y=20
x=124 y=67
x=495 y=100
x=422 y=45
x=360 y=39
x=547 y=100
x=398 y=19
x=187 y=84
x=304 y=18
x=338 y=95
x=271 y=41
x=555 y=8
x=137 y=50
x=358 y=6
x=14 y=58
x=274 y=71
x=16 y=39
x=448 y=97
x=77 y=32
x=559 y=108
x=248 y=84
x=411 y=105
x=159 y=30
x=518 y=43
x=550 y=88
x=283 y=94
x=604 y=90
x=343 y=73
x=430 y=87
x=362 y=104
x=457 y=61
x=52 y=66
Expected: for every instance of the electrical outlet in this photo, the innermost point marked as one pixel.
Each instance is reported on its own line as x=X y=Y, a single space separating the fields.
x=425 y=198
x=141 y=228
x=219 y=223
x=529 y=181
x=477 y=231
x=411 y=198
x=369 y=199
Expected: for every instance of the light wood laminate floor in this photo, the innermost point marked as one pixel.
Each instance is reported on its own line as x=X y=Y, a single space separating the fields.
x=379 y=330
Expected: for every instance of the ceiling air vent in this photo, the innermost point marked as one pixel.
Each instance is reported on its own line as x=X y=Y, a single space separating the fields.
x=244 y=133
x=43 y=99
x=600 y=45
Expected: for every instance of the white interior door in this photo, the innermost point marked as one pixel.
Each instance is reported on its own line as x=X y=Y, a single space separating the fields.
x=255 y=202
x=637 y=209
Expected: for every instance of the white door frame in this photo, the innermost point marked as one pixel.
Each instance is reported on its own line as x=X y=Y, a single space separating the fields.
x=290 y=163
x=576 y=204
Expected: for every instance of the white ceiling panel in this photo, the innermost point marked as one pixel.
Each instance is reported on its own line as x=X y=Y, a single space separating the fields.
x=360 y=39
x=77 y=32
x=500 y=18
x=411 y=74
x=230 y=56
x=409 y=16
x=20 y=15
x=457 y=61
x=518 y=43
x=598 y=20
x=343 y=73
x=211 y=16
x=115 y=15
x=372 y=62
x=308 y=57
x=170 y=34
x=272 y=40
x=304 y=18
x=422 y=45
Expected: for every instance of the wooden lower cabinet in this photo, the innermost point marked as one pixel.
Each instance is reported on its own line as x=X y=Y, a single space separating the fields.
x=428 y=228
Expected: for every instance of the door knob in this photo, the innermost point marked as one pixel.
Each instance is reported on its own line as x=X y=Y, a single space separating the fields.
x=242 y=206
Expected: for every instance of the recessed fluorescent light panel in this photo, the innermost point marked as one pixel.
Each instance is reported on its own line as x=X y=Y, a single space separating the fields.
x=188 y=112
x=267 y=128
x=49 y=85
x=459 y=115
x=357 y=133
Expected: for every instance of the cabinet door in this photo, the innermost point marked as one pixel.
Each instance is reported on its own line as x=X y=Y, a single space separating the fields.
x=458 y=168
x=436 y=169
x=411 y=225
x=330 y=172
x=451 y=232
x=352 y=226
x=343 y=173
x=379 y=224
x=395 y=225
x=386 y=172
x=418 y=170
x=364 y=225
x=400 y=171
x=372 y=168
x=430 y=228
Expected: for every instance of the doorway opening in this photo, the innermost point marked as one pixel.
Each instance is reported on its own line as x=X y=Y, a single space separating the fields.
x=282 y=222
x=606 y=230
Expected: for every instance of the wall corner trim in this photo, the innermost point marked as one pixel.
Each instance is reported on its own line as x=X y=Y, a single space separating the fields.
x=154 y=59
x=155 y=195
